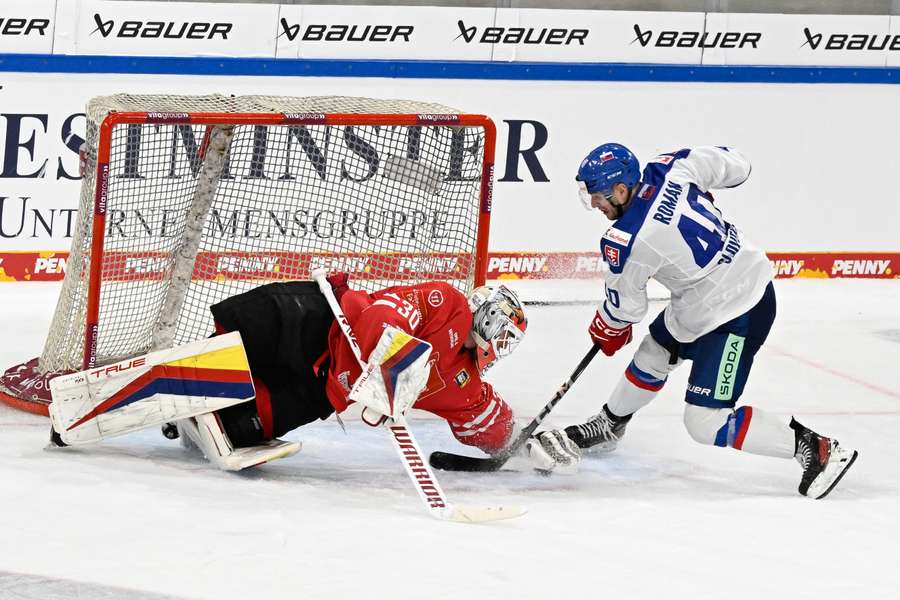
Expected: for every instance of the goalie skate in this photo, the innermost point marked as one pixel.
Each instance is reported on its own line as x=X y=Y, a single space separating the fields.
x=207 y=435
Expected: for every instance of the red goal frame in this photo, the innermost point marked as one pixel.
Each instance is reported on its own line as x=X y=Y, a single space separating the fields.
x=114 y=119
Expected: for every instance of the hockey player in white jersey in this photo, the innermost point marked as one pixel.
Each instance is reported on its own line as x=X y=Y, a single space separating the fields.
x=666 y=226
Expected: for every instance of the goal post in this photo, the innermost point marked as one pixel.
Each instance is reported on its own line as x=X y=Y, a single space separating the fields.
x=187 y=200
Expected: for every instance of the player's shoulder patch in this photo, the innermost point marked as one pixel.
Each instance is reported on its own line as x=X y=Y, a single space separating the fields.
x=615 y=246
x=658 y=167
x=662 y=159
x=647 y=191
x=617 y=236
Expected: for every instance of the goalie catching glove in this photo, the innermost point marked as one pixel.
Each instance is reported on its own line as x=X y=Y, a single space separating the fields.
x=395 y=375
x=552 y=451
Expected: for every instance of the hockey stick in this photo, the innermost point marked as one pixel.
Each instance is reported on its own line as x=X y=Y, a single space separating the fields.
x=408 y=448
x=447 y=461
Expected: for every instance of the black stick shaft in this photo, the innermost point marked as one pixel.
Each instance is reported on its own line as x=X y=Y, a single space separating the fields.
x=448 y=461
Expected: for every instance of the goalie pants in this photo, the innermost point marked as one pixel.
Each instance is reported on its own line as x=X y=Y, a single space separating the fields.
x=284 y=327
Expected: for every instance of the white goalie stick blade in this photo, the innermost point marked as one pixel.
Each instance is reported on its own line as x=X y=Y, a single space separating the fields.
x=482 y=514
x=430 y=491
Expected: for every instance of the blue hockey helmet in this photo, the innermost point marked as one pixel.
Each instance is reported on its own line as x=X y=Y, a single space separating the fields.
x=606 y=166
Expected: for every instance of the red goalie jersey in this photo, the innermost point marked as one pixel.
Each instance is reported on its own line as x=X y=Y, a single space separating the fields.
x=438 y=314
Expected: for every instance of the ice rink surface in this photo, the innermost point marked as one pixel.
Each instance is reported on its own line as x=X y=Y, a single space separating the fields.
x=662 y=517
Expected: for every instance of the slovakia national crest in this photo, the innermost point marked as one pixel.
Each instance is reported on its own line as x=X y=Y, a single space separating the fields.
x=612 y=255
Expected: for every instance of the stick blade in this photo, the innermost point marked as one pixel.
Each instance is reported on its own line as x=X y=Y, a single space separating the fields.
x=447 y=461
x=482 y=514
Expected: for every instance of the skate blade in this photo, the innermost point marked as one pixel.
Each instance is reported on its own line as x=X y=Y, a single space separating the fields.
x=839 y=476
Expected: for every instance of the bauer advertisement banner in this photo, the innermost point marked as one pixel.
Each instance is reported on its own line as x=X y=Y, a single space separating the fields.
x=144 y=28
x=26 y=26
x=813 y=149
x=165 y=29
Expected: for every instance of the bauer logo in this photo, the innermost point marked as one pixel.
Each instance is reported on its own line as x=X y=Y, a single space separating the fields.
x=555 y=36
x=695 y=39
x=14 y=26
x=851 y=41
x=171 y=30
x=346 y=33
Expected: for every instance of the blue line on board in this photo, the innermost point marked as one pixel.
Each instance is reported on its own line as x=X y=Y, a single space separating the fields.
x=430 y=69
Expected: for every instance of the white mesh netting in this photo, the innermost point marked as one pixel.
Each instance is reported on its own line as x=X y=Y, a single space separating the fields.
x=387 y=203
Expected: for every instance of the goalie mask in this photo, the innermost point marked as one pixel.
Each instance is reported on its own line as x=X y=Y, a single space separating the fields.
x=498 y=323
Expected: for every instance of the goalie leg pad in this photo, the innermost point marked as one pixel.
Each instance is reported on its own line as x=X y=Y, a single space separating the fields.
x=150 y=390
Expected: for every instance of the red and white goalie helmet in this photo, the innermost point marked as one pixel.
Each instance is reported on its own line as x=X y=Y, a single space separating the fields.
x=498 y=323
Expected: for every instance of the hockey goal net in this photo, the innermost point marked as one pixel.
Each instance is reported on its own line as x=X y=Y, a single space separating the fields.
x=187 y=200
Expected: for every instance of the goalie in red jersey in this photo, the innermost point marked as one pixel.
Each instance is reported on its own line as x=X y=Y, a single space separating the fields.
x=303 y=368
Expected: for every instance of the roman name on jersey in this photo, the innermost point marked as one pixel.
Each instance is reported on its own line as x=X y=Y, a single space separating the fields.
x=665 y=210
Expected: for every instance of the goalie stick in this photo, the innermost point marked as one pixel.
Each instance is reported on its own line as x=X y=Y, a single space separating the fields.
x=448 y=461
x=408 y=448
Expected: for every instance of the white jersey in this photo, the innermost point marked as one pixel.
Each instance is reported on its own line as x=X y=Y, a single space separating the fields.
x=674 y=233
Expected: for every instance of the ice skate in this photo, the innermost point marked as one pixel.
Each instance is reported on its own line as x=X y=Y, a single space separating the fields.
x=824 y=461
x=601 y=433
